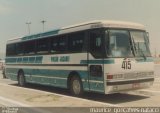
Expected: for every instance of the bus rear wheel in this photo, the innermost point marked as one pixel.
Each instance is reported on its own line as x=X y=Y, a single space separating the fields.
x=76 y=87
x=21 y=79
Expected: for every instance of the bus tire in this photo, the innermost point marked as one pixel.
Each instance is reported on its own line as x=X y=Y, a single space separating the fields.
x=21 y=79
x=4 y=76
x=76 y=87
x=3 y=72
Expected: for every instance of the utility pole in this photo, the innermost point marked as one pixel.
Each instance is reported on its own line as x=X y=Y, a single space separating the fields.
x=28 y=25
x=43 y=22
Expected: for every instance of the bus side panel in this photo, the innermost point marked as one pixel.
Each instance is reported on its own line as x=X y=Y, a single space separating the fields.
x=11 y=73
x=49 y=69
x=49 y=77
x=84 y=78
x=56 y=78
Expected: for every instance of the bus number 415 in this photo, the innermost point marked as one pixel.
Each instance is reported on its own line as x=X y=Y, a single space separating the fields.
x=126 y=64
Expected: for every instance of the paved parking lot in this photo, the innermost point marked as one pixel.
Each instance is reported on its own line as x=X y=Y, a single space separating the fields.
x=42 y=96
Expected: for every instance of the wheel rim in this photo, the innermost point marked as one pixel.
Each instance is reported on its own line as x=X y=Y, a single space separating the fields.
x=76 y=86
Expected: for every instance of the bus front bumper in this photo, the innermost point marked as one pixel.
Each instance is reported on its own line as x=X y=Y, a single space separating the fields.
x=120 y=86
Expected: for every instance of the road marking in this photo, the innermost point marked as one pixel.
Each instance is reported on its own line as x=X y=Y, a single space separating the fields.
x=152 y=91
x=16 y=103
x=76 y=98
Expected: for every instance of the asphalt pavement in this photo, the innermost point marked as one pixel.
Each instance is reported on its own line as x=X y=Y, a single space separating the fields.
x=36 y=97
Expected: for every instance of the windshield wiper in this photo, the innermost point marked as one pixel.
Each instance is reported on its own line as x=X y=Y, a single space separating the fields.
x=143 y=55
x=137 y=50
x=134 y=46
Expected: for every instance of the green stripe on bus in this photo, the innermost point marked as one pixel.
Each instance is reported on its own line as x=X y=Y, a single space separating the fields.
x=35 y=59
x=145 y=60
x=40 y=35
x=97 y=61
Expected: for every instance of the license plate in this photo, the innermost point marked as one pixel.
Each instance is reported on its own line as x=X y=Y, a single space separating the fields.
x=136 y=85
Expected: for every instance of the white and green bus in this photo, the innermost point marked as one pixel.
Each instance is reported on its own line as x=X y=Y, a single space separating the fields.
x=99 y=56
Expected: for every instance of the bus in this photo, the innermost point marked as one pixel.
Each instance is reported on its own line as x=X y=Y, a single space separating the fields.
x=97 y=56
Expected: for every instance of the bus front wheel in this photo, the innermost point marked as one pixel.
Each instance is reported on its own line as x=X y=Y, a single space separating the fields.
x=21 y=79
x=76 y=87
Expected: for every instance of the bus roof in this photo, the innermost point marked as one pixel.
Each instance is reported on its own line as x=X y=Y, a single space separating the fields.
x=81 y=26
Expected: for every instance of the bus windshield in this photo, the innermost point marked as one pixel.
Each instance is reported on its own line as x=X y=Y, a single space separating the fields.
x=125 y=43
x=140 y=43
x=119 y=44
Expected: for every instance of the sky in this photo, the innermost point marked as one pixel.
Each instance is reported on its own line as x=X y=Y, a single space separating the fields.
x=14 y=14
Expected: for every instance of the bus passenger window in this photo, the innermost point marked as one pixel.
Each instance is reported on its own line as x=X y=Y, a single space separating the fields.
x=42 y=45
x=20 y=48
x=29 y=47
x=58 y=44
x=76 y=42
x=11 y=50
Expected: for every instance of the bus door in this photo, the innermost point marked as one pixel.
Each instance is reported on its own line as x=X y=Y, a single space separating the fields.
x=95 y=61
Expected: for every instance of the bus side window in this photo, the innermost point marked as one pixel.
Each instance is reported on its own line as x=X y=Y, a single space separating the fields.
x=11 y=50
x=54 y=45
x=59 y=44
x=42 y=45
x=29 y=47
x=96 y=39
x=20 y=48
x=62 y=48
x=76 y=42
